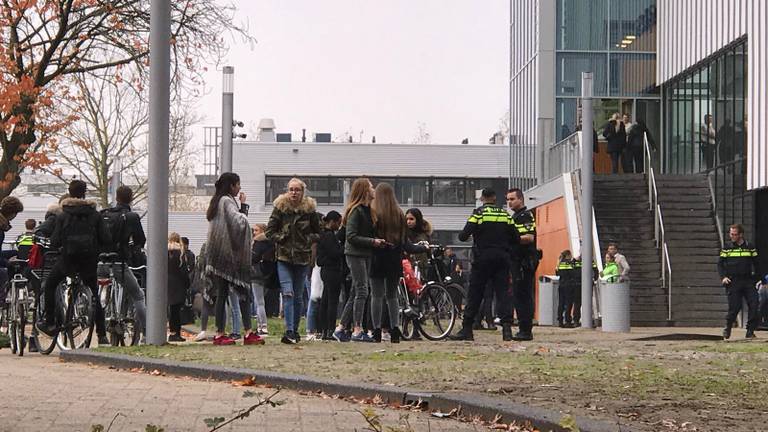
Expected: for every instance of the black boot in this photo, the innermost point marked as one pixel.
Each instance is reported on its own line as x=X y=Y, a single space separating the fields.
x=750 y=334
x=523 y=336
x=377 y=335
x=465 y=334
x=394 y=335
x=506 y=332
x=727 y=332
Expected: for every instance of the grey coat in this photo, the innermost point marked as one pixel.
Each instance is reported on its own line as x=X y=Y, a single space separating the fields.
x=359 y=232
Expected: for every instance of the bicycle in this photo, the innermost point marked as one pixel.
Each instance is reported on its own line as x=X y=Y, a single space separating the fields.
x=20 y=308
x=436 y=273
x=427 y=309
x=119 y=314
x=73 y=311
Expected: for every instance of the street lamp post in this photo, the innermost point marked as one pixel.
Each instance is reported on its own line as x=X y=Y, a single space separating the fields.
x=586 y=199
x=227 y=109
x=159 y=117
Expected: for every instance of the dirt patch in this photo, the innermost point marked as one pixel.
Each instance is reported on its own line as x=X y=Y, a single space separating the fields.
x=649 y=385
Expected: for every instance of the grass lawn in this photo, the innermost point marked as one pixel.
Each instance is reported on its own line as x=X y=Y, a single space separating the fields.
x=651 y=385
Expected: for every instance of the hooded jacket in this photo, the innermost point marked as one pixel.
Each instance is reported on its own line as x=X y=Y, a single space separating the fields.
x=45 y=229
x=76 y=207
x=293 y=229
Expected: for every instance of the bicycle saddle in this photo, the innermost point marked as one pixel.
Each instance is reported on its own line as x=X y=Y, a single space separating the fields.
x=108 y=256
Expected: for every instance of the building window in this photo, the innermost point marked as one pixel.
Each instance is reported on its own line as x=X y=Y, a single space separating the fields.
x=571 y=65
x=409 y=191
x=582 y=25
x=449 y=192
x=412 y=192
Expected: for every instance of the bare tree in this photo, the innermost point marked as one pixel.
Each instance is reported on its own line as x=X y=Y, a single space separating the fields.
x=47 y=42
x=422 y=134
x=182 y=159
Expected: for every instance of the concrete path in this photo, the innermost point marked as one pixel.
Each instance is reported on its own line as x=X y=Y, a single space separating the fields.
x=41 y=393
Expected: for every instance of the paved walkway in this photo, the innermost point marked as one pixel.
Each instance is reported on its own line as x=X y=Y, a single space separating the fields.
x=41 y=393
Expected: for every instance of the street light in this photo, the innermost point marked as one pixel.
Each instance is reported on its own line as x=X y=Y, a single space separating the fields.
x=227 y=108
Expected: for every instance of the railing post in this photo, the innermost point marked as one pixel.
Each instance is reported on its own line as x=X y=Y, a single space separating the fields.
x=586 y=202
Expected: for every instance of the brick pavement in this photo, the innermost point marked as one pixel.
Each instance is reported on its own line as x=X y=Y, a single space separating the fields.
x=41 y=393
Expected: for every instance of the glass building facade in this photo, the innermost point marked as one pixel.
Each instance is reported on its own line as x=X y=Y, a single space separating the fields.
x=616 y=41
x=705 y=128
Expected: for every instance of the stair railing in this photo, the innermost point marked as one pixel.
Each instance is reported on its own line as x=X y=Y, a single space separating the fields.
x=658 y=226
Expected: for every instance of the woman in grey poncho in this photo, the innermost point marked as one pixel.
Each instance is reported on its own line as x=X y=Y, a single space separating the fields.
x=228 y=255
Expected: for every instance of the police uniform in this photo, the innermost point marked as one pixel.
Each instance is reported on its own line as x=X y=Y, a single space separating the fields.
x=524 y=260
x=576 y=304
x=738 y=262
x=24 y=244
x=493 y=232
x=566 y=271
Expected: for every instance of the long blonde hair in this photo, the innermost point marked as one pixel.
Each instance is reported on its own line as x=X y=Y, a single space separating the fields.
x=391 y=224
x=174 y=238
x=358 y=196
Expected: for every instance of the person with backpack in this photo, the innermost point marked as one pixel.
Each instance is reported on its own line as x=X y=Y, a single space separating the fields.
x=80 y=233
x=127 y=235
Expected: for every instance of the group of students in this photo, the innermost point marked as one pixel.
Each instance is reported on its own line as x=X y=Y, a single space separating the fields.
x=358 y=253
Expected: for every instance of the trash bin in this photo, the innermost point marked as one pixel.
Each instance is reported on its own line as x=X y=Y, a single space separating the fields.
x=614 y=299
x=548 y=297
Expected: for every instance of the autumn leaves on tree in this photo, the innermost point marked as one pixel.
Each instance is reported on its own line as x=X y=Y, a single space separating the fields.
x=46 y=45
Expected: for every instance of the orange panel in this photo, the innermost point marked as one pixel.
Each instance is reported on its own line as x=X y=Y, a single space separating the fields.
x=552 y=236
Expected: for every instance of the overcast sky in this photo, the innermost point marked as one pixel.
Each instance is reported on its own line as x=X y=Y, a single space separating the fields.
x=381 y=67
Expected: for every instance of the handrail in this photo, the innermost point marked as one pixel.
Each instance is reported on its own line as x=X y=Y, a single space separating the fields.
x=659 y=234
x=563 y=156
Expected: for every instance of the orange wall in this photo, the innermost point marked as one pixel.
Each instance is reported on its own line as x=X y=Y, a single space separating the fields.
x=551 y=236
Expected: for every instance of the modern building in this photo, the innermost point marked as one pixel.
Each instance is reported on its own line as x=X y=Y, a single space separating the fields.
x=695 y=72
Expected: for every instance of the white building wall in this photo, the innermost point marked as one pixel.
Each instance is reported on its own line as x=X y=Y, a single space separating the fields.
x=692 y=30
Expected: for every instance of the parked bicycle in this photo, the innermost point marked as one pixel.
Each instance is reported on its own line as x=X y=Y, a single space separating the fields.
x=425 y=308
x=437 y=273
x=119 y=314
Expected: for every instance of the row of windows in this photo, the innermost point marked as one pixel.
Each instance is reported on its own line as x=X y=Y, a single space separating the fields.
x=410 y=191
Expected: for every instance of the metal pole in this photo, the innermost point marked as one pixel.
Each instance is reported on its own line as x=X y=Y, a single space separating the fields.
x=227 y=108
x=509 y=118
x=586 y=200
x=116 y=180
x=159 y=113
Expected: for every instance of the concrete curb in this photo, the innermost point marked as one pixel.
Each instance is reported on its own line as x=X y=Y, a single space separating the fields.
x=471 y=404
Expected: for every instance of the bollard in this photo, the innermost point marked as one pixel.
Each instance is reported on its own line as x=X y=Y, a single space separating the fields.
x=614 y=299
x=548 y=298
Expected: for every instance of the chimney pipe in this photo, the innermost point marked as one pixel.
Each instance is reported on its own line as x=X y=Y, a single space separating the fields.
x=303 y=135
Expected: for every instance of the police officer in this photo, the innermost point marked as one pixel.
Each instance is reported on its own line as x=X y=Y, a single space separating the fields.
x=524 y=260
x=493 y=232
x=25 y=241
x=737 y=267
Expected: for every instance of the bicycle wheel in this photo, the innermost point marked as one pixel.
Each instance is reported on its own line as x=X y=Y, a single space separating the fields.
x=457 y=296
x=12 y=330
x=21 y=320
x=78 y=323
x=45 y=343
x=406 y=321
x=438 y=314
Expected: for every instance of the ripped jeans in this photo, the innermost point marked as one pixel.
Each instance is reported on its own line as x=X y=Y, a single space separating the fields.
x=292 y=278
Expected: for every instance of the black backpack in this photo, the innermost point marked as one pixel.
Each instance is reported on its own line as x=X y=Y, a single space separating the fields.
x=79 y=237
x=116 y=223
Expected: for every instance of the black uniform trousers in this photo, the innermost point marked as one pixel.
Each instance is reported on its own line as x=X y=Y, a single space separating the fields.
x=576 y=302
x=86 y=268
x=490 y=267
x=565 y=293
x=738 y=289
x=522 y=295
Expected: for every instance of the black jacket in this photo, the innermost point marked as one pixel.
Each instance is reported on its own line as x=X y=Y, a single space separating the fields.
x=178 y=276
x=134 y=230
x=388 y=261
x=491 y=228
x=45 y=229
x=617 y=138
x=359 y=232
x=525 y=223
x=330 y=250
x=737 y=261
x=75 y=207
x=635 y=136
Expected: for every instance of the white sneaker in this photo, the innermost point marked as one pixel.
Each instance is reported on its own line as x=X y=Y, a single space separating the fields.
x=201 y=336
x=264 y=331
x=311 y=338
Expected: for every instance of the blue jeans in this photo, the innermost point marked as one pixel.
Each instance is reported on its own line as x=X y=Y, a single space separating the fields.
x=292 y=278
x=234 y=306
